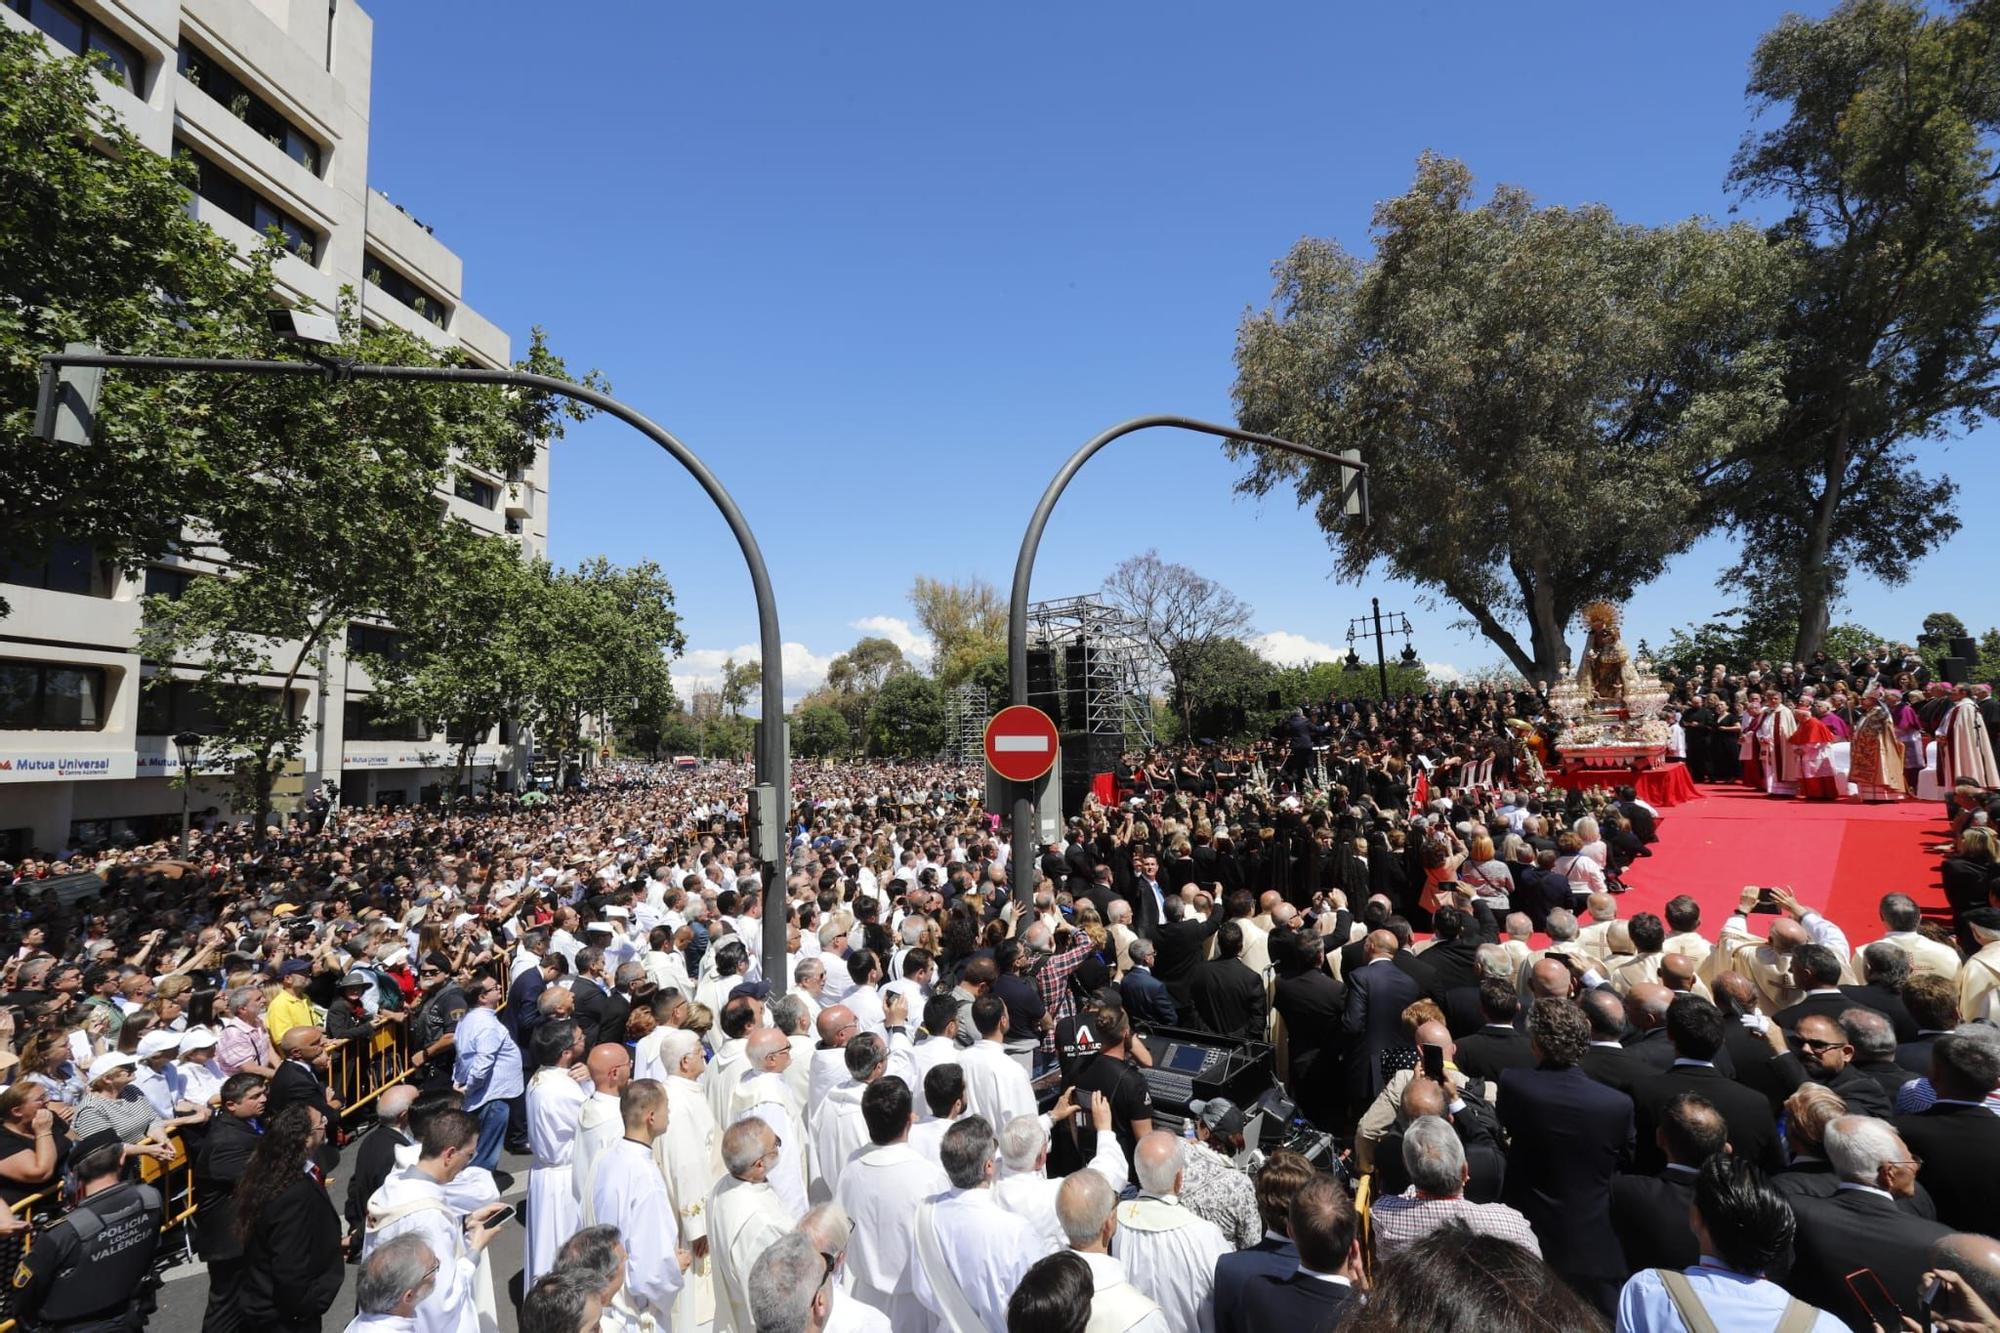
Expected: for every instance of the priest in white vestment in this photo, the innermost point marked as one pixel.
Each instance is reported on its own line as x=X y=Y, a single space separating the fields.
x=761 y=1092
x=1167 y=1251
x=1024 y=1187
x=436 y=1197
x=745 y=1216
x=555 y=1101
x=838 y=1129
x=1087 y=1207
x=836 y=1027
x=598 y=1122
x=971 y=1252
x=1965 y=749
x=830 y=1231
x=736 y=1021
x=690 y=1157
x=880 y=1192
x=996 y=1084
x=630 y=1194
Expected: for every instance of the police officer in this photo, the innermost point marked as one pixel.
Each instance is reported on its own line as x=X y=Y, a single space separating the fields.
x=92 y=1272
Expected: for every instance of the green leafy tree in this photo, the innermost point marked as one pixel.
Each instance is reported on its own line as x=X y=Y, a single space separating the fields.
x=739 y=682
x=1534 y=390
x=966 y=623
x=1942 y=627
x=1878 y=123
x=907 y=720
x=1225 y=692
x=819 y=731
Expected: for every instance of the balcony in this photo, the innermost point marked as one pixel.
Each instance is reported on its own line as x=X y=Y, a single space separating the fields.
x=520 y=502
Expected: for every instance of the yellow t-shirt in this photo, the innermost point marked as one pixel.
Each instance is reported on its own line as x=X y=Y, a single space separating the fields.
x=286 y=1012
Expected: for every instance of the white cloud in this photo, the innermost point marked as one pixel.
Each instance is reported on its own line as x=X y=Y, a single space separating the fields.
x=916 y=644
x=1288 y=649
x=701 y=669
x=1443 y=671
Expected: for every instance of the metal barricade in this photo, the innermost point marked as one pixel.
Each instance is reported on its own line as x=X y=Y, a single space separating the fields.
x=360 y=1069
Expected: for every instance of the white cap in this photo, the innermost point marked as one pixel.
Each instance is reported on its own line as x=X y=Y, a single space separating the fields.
x=153 y=1043
x=196 y=1039
x=616 y=913
x=109 y=1061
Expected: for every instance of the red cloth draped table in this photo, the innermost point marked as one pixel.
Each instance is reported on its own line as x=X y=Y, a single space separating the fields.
x=1658 y=787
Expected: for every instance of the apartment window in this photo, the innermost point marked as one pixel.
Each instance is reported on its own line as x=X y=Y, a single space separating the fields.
x=458 y=733
x=395 y=284
x=78 y=32
x=474 y=491
x=68 y=566
x=360 y=723
x=172 y=706
x=168 y=583
x=248 y=207
x=376 y=641
x=49 y=696
x=200 y=69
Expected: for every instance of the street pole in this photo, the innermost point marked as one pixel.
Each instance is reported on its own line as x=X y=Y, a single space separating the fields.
x=771 y=760
x=1381 y=657
x=1021 y=861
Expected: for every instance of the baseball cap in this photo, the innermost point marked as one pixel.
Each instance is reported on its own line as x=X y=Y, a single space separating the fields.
x=1219 y=1114
x=107 y=1062
x=292 y=967
x=756 y=990
x=155 y=1042
x=197 y=1039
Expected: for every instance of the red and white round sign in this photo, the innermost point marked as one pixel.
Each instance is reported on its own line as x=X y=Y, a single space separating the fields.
x=1021 y=743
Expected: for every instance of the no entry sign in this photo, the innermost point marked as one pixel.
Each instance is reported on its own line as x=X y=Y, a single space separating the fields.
x=1021 y=743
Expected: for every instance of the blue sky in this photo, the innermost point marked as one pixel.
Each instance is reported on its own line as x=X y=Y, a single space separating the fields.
x=883 y=266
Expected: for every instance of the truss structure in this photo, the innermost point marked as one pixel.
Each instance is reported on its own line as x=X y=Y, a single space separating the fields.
x=966 y=712
x=1112 y=659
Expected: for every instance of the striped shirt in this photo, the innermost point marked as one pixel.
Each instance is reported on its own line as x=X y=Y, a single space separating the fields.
x=1401 y=1220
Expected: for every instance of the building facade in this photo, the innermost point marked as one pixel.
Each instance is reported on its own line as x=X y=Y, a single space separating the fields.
x=271 y=100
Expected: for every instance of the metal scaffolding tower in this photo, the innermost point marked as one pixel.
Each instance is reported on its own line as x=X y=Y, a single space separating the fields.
x=966 y=712
x=1102 y=659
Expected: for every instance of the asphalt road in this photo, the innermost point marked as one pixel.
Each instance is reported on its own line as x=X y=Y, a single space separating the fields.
x=185 y=1294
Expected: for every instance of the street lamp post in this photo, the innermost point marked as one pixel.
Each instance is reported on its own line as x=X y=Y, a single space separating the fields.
x=187 y=748
x=69 y=384
x=1022 y=858
x=1409 y=654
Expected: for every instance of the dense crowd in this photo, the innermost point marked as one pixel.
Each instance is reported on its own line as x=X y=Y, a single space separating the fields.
x=1545 y=1114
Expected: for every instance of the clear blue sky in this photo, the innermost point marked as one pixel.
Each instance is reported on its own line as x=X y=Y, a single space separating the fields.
x=885 y=265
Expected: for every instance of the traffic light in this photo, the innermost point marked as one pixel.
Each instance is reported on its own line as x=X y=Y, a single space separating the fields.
x=66 y=409
x=765 y=823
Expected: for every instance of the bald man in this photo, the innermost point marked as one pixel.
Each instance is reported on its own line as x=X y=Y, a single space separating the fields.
x=1377 y=993
x=1768 y=962
x=1167 y=1252
x=599 y=1122
x=1646 y=1006
x=1385 y=1113
x=836 y=1026
x=762 y=1092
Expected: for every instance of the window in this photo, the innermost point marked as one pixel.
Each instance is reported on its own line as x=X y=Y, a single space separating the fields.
x=359 y=723
x=168 y=583
x=69 y=566
x=201 y=70
x=75 y=31
x=376 y=641
x=395 y=284
x=459 y=733
x=47 y=696
x=471 y=489
x=169 y=707
x=248 y=207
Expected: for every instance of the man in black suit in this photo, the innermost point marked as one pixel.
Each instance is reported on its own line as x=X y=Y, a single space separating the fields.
x=1874 y=1042
x=1148 y=896
x=1645 y=824
x=1377 y=993
x=1182 y=941
x=1227 y=997
x=1453 y=959
x=1282 y=1176
x=1486 y=1168
x=1821 y=1053
x=1498 y=1044
x=1570 y=1136
x=1816 y=970
x=1375 y=915
x=1695 y=1027
x=1320 y=1292
x=1958 y=1137
x=375 y=1156
x=1646 y=1006
x=629 y=986
x=519 y=1013
x=1607 y=1060
x=1650 y=1213
x=218 y=1165
x=1861 y=1226
x=593 y=994
x=297 y=1083
x=1750 y=1052
x=1886 y=969
x=1147 y=1000
x=1311 y=1004
x=1411 y=964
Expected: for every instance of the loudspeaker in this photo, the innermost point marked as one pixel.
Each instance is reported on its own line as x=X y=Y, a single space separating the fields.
x=1955 y=670
x=1042 y=683
x=1076 y=689
x=1965 y=648
x=1083 y=758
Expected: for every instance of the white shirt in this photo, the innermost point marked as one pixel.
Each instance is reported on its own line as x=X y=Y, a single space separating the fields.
x=1031 y=1195
x=763 y=1094
x=598 y=1126
x=837 y=1132
x=631 y=1196
x=880 y=1192
x=996 y=1086
x=987 y=1249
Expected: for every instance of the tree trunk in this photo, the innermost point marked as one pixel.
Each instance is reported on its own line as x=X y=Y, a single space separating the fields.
x=1815 y=579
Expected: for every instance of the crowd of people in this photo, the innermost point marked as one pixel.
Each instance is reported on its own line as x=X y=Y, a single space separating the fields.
x=939 y=1117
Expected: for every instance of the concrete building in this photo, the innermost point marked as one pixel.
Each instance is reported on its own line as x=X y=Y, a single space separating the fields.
x=271 y=99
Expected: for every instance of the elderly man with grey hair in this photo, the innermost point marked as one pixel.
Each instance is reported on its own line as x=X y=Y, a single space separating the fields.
x=829 y=1228
x=837 y=1128
x=1087 y=1210
x=790 y=1289
x=1861 y=1226
x=971 y=1253
x=1024 y=1187
x=393 y=1281
x=746 y=1216
x=1168 y=1252
x=1435 y=1159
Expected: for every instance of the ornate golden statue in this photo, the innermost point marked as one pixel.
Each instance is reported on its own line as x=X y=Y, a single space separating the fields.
x=1607 y=674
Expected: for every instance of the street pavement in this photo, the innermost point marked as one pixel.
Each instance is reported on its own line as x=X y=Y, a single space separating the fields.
x=184 y=1295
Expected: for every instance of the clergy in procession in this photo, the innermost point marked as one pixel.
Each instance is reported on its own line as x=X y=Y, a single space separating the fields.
x=745 y=1217
x=971 y=1252
x=1025 y=1187
x=996 y=1084
x=1876 y=761
x=838 y=1128
x=599 y=1123
x=555 y=1101
x=761 y=1091
x=1087 y=1207
x=1781 y=758
x=1964 y=747
x=738 y=1019
x=880 y=1192
x=630 y=1194
x=447 y=1201
x=1812 y=741
x=836 y=1026
x=691 y=1161
x=1167 y=1251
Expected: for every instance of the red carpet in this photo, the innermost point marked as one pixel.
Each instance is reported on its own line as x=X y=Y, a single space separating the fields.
x=1839 y=857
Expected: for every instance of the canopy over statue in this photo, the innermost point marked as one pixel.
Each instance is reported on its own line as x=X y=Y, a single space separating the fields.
x=1607 y=674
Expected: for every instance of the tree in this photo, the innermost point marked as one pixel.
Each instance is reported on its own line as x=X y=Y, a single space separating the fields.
x=907 y=720
x=1941 y=627
x=1885 y=157
x=1184 y=617
x=966 y=622
x=1754 y=634
x=820 y=732
x=1533 y=390
x=1225 y=691
x=863 y=668
x=739 y=683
